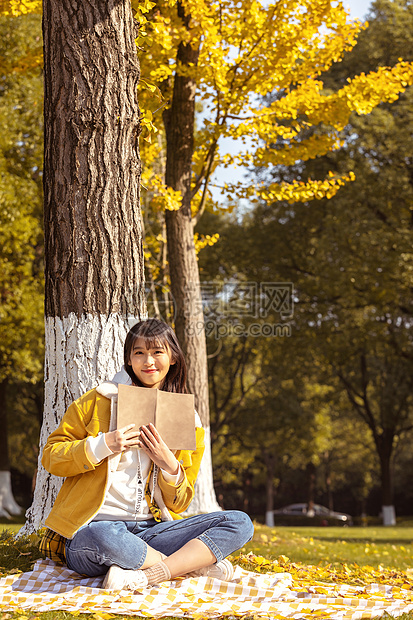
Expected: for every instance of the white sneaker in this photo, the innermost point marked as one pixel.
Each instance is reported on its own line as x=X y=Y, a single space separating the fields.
x=221 y=570
x=121 y=579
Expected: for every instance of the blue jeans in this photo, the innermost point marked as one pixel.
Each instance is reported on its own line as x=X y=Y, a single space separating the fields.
x=98 y=545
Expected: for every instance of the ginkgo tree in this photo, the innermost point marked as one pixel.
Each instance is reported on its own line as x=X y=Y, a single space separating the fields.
x=256 y=69
x=242 y=53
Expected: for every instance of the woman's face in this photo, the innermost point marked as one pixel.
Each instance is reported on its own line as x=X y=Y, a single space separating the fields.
x=150 y=365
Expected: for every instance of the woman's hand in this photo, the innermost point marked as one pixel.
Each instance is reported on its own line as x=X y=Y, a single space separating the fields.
x=122 y=439
x=152 y=443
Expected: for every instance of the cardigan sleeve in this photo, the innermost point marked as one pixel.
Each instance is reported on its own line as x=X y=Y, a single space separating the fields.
x=65 y=453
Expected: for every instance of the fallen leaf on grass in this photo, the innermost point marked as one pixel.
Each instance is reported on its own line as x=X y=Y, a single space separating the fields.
x=345 y=574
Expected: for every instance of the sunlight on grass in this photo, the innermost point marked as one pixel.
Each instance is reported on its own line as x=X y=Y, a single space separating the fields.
x=354 y=555
x=376 y=546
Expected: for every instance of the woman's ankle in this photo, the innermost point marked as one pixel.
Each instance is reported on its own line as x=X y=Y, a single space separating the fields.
x=157 y=573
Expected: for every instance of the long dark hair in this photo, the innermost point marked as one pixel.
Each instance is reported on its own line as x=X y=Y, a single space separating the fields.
x=157 y=333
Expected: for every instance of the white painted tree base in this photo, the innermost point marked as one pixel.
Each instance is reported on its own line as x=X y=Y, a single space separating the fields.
x=389 y=515
x=8 y=505
x=205 y=500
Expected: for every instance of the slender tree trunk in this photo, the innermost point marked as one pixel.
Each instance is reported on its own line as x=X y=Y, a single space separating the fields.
x=330 y=499
x=387 y=500
x=4 y=451
x=8 y=505
x=269 y=486
x=311 y=472
x=179 y=123
x=93 y=240
x=384 y=432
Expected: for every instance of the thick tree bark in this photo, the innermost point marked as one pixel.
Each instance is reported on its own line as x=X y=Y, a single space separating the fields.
x=93 y=241
x=179 y=122
x=92 y=169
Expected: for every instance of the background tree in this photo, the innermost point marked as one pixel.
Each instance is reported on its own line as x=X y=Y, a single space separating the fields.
x=93 y=245
x=277 y=407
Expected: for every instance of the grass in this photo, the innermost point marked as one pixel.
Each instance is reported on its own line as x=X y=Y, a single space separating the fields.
x=389 y=547
x=342 y=553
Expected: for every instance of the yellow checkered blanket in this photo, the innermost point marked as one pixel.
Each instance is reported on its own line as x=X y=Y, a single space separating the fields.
x=275 y=595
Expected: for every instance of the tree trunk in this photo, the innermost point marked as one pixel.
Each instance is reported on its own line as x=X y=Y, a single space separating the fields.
x=4 y=451
x=269 y=487
x=330 y=499
x=8 y=505
x=93 y=237
x=183 y=267
x=311 y=472
x=387 y=505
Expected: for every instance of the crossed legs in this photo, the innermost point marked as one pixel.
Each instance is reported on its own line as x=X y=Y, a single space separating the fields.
x=183 y=546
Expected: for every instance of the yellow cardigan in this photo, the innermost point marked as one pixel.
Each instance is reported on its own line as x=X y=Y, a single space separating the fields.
x=83 y=491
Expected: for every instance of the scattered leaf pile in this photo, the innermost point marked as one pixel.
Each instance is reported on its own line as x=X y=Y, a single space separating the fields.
x=345 y=573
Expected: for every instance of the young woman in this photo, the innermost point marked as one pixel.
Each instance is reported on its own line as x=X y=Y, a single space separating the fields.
x=117 y=513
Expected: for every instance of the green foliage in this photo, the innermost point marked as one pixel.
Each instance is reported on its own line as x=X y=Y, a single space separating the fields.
x=276 y=408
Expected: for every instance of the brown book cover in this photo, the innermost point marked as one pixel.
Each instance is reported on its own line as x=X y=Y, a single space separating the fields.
x=173 y=415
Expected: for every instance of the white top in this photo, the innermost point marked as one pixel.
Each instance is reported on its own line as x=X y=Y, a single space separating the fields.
x=125 y=498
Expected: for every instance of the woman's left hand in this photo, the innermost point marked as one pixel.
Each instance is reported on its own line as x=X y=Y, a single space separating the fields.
x=152 y=443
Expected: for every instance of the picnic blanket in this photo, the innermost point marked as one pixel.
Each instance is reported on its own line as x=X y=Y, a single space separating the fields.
x=277 y=595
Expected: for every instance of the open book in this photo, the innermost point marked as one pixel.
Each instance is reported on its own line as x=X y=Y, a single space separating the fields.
x=173 y=415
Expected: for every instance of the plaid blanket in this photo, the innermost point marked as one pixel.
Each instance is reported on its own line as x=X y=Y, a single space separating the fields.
x=51 y=586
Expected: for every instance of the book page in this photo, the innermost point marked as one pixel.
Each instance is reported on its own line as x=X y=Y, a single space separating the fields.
x=136 y=405
x=173 y=415
x=175 y=420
